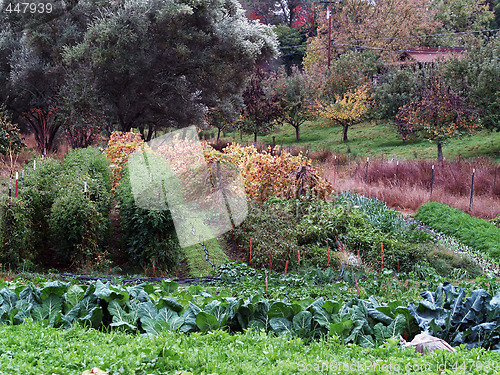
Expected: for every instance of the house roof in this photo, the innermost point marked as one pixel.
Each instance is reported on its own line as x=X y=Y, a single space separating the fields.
x=431 y=54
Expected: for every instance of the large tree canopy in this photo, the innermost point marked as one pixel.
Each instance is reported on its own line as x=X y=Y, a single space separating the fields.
x=162 y=63
x=31 y=69
x=143 y=63
x=361 y=24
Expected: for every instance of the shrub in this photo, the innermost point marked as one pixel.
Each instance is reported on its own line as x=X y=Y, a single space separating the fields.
x=147 y=235
x=271 y=226
x=77 y=228
x=272 y=173
x=13 y=234
x=38 y=193
x=474 y=232
x=92 y=162
x=120 y=146
x=62 y=225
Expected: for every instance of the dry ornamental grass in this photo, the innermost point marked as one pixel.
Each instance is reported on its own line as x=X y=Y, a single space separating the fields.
x=406 y=185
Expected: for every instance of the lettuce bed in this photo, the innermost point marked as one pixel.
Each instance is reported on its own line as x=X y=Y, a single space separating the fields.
x=477 y=233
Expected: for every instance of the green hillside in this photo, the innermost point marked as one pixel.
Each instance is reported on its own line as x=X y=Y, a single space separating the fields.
x=377 y=138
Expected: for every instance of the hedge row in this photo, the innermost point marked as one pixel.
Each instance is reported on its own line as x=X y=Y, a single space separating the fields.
x=53 y=222
x=472 y=231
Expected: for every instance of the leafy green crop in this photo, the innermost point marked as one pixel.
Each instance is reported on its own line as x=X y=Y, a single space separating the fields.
x=472 y=231
x=34 y=349
x=151 y=309
x=447 y=313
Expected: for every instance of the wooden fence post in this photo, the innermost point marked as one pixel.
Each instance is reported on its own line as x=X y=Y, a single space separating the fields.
x=472 y=189
x=366 y=171
x=432 y=179
x=397 y=171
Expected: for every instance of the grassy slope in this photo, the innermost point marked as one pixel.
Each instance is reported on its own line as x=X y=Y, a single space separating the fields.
x=380 y=138
x=31 y=349
x=196 y=260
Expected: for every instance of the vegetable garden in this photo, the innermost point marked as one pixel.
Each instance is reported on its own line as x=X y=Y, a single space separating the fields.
x=157 y=249
x=339 y=273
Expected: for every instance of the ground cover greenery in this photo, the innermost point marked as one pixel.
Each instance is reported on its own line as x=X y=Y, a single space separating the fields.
x=33 y=348
x=474 y=232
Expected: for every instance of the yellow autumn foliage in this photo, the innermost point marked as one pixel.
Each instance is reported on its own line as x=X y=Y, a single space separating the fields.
x=348 y=110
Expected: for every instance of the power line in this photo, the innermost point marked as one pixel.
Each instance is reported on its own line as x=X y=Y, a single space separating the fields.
x=403 y=37
x=431 y=35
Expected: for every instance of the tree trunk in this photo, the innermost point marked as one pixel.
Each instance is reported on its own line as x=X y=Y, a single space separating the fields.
x=440 y=151
x=297 y=134
x=150 y=132
x=344 y=139
x=218 y=135
x=254 y=137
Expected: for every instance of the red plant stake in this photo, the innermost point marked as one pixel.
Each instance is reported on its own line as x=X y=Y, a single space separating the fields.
x=382 y=251
x=250 y=261
x=286 y=267
x=270 y=260
x=398 y=265
x=298 y=256
x=17 y=179
x=328 y=248
x=357 y=286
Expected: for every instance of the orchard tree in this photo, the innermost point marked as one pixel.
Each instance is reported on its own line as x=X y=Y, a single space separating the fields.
x=478 y=73
x=164 y=63
x=294 y=98
x=261 y=109
x=397 y=87
x=347 y=72
x=439 y=115
x=219 y=119
x=348 y=110
x=463 y=15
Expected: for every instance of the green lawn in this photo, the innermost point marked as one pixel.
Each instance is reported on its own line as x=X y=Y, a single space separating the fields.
x=32 y=349
x=377 y=138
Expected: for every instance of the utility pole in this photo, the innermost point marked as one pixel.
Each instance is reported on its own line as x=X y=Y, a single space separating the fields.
x=329 y=16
